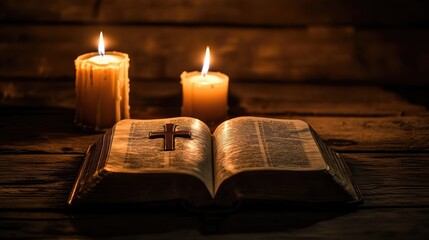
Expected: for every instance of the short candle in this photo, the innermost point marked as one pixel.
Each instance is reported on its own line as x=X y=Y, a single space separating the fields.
x=205 y=94
x=102 y=89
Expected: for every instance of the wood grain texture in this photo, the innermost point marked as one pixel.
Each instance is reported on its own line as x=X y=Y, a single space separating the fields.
x=224 y=12
x=37 y=181
x=391 y=179
x=320 y=100
x=320 y=54
x=398 y=134
x=163 y=98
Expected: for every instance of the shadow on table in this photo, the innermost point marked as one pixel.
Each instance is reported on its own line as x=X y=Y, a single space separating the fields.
x=245 y=220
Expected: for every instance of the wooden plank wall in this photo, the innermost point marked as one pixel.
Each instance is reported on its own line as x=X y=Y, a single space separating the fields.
x=275 y=40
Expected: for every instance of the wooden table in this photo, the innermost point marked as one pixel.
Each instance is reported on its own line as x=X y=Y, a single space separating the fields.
x=382 y=132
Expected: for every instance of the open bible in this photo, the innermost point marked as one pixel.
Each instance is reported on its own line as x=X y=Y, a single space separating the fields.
x=246 y=158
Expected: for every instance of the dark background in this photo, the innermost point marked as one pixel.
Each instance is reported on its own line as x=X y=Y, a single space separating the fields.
x=321 y=41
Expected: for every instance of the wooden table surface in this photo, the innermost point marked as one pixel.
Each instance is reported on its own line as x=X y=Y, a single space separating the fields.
x=382 y=132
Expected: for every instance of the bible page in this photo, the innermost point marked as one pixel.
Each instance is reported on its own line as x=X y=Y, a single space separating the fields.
x=254 y=143
x=132 y=150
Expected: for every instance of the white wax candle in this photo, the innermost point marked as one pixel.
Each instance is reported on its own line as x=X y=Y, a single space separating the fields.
x=205 y=96
x=102 y=90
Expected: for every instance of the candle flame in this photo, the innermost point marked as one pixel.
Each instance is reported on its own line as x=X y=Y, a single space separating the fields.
x=205 y=69
x=101 y=50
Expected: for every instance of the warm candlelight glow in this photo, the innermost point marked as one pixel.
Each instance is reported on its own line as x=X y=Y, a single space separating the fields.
x=206 y=64
x=205 y=94
x=102 y=88
x=101 y=50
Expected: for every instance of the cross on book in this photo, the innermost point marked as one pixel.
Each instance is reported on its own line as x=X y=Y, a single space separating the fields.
x=169 y=134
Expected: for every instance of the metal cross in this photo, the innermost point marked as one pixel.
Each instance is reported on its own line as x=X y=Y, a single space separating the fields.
x=169 y=134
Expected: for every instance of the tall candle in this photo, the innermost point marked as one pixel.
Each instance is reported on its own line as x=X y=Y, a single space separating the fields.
x=205 y=94
x=102 y=89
